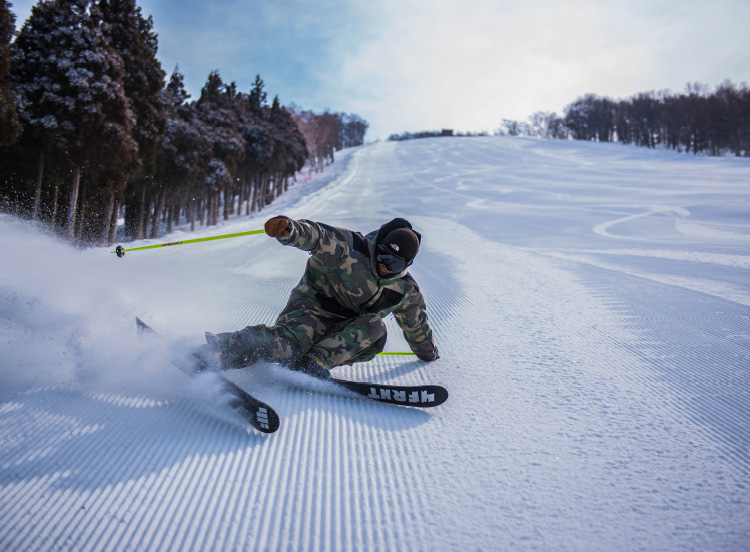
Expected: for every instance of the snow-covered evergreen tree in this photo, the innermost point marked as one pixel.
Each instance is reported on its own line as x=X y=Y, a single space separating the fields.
x=132 y=36
x=289 y=153
x=258 y=97
x=257 y=132
x=216 y=108
x=183 y=160
x=72 y=95
x=10 y=125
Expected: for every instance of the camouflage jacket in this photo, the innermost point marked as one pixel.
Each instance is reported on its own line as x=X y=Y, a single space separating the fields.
x=341 y=277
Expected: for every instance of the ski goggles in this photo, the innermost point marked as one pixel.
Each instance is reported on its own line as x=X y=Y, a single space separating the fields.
x=392 y=262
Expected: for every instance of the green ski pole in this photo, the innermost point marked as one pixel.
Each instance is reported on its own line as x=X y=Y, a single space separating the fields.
x=120 y=251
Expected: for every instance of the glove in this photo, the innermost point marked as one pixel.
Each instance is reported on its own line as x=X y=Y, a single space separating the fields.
x=278 y=227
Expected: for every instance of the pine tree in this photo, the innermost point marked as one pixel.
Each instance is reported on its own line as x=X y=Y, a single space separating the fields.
x=216 y=108
x=289 y=152
x=181 y=167
x=257 y=134
x=73 y=99
x=175 y=94
x=10 y=125
x=258 y=97
x=133 y=38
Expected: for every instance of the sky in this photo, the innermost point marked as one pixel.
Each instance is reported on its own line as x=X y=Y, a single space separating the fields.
x=411 y=65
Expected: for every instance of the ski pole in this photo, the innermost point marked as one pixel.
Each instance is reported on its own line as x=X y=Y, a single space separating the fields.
x=120 y=251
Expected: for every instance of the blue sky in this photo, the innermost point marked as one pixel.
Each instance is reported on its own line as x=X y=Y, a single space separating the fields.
x=409 y=65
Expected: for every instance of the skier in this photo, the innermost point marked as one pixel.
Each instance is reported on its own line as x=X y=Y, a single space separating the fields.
x=334 y=316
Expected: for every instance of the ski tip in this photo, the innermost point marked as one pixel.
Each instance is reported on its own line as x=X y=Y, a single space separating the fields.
x=439 y=393
x=442 y=393
x=142 y=327
x=267 y=420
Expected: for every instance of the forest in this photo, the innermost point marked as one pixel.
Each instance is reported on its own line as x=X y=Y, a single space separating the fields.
x=92 y=131
x=696 y=121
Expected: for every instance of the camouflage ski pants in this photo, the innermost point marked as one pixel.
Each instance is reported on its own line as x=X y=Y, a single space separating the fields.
x=302 y=328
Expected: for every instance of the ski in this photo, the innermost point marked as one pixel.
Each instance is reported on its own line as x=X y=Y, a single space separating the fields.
x=257 y=413
x=423 y=396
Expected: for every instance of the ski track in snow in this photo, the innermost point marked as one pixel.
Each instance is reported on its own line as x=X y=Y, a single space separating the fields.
x=591 y=303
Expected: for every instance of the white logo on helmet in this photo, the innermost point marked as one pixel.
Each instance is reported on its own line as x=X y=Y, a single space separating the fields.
x=394 y=247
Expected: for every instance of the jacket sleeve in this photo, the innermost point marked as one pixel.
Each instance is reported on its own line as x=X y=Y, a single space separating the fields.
x=411 y=315
x=326 y=243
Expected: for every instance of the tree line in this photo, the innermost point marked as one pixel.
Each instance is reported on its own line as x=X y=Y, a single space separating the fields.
x=404 y=136
x=695 y=121
x=328 y=132
x=90 y=129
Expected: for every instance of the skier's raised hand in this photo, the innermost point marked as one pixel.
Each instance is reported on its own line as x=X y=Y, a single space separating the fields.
x=278 y=227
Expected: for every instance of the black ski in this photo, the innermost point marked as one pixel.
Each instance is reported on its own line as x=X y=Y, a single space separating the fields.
x=257 y=413
x=423 y=396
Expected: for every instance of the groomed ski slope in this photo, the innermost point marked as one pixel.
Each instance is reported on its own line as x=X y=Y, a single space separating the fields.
x=591 y=303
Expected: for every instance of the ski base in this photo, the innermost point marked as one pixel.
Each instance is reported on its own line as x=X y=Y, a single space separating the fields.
x=422 y=396
x=257 y=413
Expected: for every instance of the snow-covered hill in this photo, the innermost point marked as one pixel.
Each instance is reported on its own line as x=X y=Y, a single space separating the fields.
x=591 y=303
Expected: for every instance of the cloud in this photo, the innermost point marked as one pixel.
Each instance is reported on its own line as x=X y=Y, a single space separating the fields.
x=453 y=64
x=468 y=65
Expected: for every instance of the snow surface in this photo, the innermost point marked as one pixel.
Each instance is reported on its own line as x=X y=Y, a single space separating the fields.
x=591 y=303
